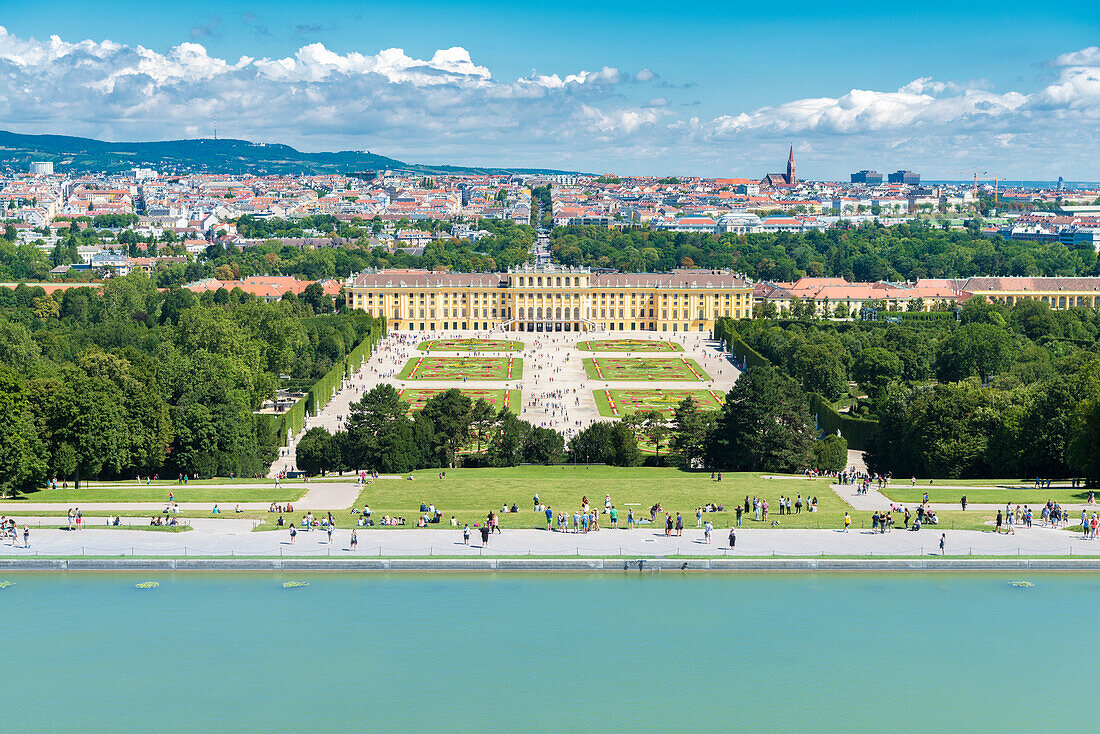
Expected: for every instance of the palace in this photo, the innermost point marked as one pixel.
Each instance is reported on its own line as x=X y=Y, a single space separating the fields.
x=551 y=298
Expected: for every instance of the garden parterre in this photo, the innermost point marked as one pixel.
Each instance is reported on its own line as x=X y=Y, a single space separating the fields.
x=629 y=345
x=462 y=368
x=416 y=397
x=639 y=369
x=471 y=345
x=615 y=403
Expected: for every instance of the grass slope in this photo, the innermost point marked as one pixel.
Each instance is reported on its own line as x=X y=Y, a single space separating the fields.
x=469 y=494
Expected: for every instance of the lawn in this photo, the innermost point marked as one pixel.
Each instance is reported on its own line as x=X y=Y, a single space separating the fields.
x=613 y=403
x=629 y=345
x=462 y=368
x=416 y=397
x=181 y=493
x=639 y=369
x=469 y=494
x=1014 y=495
x=471 y=345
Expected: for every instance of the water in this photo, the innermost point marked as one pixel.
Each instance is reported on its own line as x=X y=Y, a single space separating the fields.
x=540 y=653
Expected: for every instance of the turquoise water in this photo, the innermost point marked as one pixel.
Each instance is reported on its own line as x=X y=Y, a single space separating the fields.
x=535 y=653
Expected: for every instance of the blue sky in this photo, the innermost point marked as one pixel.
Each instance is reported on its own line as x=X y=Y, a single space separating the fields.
x=640 y=87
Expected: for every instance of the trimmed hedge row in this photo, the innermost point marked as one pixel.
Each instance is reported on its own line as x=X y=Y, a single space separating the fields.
x=731 y=341
x=856 y=431
x=322 y=391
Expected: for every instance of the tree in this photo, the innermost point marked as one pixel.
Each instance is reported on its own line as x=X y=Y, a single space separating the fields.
x=979 y=348
x=380 y=434
x=482 y=420
x=544 y=446
x=765 y=425
x=314 y=296
x=315 y=451
x=509 y=439
x=22 y=463
x=605 y=442
x=875 y=368
x=654 y=427
x=817 y=368
x=449 y=414
x=831 y=453
x=1084 y=449
x=689 y=432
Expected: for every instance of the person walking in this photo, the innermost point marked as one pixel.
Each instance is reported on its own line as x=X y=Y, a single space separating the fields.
x=707 y=527
x=737 y=515
x=733 y=537
x=354 y=540
x=847 y=521
x=549 y=515
x=630 y=518
x=963 y=502
x=26 y=537
x=679 y=525
x=466 y=534
x=329 y=530
x=943 y=542
x=293 y=534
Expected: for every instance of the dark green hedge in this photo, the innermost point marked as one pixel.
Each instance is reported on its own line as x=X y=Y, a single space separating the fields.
x=856 y=431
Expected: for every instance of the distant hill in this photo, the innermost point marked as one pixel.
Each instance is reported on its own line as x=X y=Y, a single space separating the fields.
x=205 y=155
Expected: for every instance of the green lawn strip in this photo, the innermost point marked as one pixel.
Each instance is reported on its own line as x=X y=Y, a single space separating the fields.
x=181 y=493
x=1034 y=498
x=173 y=482
x=641 y=369
x=470 y=345
x=449 y=368
x=602 y=405
x=629 y=345
x=62 y=526
x=718 y=551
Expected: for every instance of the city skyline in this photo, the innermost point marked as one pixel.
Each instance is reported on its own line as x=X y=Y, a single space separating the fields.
x=658 y=94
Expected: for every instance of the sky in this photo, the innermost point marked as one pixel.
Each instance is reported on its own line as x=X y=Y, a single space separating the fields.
x=702 y=88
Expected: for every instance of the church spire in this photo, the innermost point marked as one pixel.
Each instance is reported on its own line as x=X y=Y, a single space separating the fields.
x=790 y=168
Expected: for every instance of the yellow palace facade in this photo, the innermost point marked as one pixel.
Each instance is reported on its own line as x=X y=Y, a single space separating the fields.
x=551 y=298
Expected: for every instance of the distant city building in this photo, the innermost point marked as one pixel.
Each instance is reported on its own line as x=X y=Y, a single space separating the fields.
x=41 y=168
x=867 y=177
x=782 y=179
x=904 y=177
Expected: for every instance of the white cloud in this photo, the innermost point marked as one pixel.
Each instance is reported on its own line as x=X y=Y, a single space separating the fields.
x=1085 y=57
x=449 y=108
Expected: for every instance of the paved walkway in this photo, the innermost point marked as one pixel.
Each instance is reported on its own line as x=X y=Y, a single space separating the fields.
x=319 y=496
x=234 y=537
x=876 y=500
